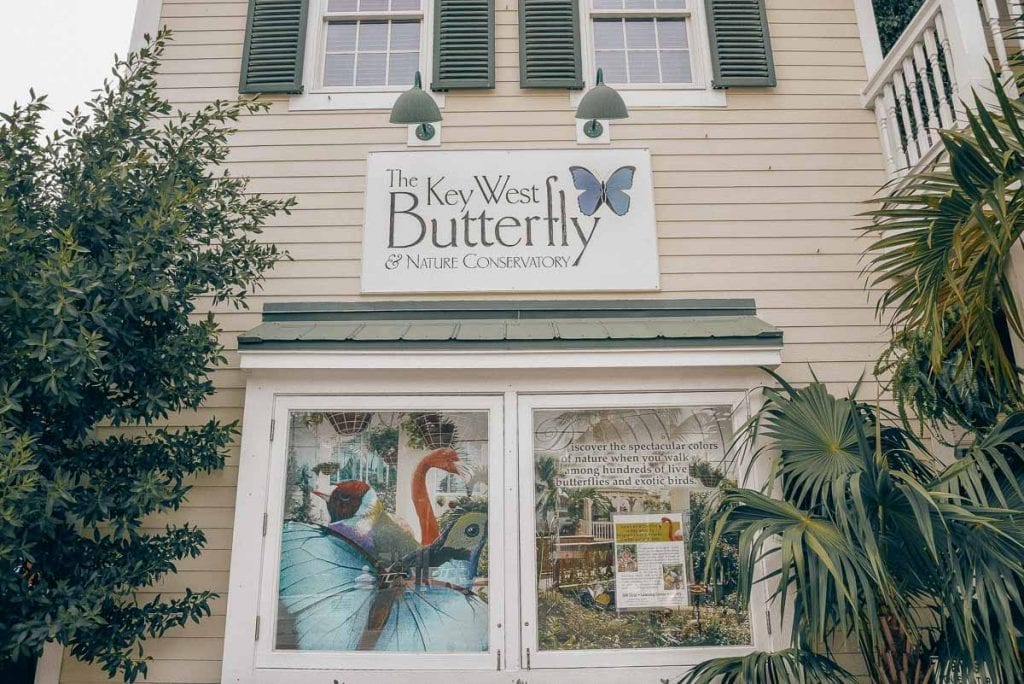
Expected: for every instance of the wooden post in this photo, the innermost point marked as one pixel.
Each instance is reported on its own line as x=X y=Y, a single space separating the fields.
x=969 y=51
x=868 y=29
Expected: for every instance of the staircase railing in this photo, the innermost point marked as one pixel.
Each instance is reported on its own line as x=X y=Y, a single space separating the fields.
x=941 y=59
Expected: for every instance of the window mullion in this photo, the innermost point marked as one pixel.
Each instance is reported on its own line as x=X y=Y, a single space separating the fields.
x=657 y=50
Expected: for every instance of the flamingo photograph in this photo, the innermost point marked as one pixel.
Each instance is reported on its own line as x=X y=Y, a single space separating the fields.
x=384 y=538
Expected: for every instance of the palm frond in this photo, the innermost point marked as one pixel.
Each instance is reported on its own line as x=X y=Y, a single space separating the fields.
x=791 y=666
x=943 y=243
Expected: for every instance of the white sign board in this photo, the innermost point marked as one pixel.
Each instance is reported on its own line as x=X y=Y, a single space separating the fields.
x=509 y=221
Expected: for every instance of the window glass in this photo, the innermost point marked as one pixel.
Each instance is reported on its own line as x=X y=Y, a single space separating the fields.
x=384 y=541
x=366 y=48
x=634 y=49
x=621 y=499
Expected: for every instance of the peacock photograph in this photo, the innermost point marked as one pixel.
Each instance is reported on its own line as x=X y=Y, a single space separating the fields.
x=384 y=536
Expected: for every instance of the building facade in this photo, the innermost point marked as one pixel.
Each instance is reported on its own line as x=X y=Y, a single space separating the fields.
x=484 y=403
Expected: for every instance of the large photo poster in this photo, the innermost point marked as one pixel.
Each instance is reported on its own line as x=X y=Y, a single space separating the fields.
x=622 y=498
x=384 y=536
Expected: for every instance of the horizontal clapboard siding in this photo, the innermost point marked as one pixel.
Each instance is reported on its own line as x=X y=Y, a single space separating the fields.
x=741 y=48
x=463 y=44
x=274 y=45
x=549 y=44
x=757 y=199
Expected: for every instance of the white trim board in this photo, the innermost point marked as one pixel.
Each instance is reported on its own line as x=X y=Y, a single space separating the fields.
x=147 y=21
x=252 y=359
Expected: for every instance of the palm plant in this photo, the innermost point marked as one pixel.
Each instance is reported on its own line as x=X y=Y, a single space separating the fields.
x=945 y=237
x=918 y=565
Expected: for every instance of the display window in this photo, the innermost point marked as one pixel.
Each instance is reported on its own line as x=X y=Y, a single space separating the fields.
x=544 y=532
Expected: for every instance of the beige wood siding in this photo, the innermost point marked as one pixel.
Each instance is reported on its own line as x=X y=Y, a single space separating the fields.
x=758 y=199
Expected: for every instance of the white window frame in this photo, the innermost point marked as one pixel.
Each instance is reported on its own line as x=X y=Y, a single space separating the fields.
x=267 y=657
x=618 y=658
x=699 y=93
x=316 y=95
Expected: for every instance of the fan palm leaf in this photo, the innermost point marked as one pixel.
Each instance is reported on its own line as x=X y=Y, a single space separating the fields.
x=921 y=567
x=791 y=666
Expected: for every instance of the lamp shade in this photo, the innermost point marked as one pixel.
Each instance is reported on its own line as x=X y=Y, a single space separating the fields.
x=602 y=102
x=415 y=106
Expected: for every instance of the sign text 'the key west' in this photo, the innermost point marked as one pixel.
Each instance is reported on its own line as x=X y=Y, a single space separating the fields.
x=523 y=221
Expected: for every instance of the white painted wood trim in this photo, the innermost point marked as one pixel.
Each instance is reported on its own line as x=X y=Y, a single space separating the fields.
x=147 y=21
x=639 y=358
x=49 y=664
x=867 y=26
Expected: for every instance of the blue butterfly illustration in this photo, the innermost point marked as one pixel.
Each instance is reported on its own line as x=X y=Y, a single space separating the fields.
x=595 y=193
x=336 y=596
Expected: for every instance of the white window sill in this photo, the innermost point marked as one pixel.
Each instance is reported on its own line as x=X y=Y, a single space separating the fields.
x=315 y=101
x=663 y=97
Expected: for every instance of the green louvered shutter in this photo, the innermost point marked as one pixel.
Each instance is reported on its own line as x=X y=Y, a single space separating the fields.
x=463 y=44
x=549 y=44
x=741 y=49
x=275 y=37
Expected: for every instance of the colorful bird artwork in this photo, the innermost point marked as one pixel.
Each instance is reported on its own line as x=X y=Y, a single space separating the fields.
x=442 y=459
x=359 y=515
x=340 y=597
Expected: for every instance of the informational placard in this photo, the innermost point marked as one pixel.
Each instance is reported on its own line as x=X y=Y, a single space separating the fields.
x=509 y=221
x=650 y=561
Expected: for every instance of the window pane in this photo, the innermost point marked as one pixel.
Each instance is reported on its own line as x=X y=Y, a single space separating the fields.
x=621 y=497
x=404 y=5
x=608 y=34
x=373 y=5
x=384 y=536
x=675 y=67
x=373 y=35
x=640 y=34
x=405 y=35
x=607 y=4
x=643 y=67
x=614 y=65
x=342 y=6
x=639 y=4
x=341 y=36
x=339 y=70
x=403 y=68
x=370 y=68
x=671 y=4
x=672 y=34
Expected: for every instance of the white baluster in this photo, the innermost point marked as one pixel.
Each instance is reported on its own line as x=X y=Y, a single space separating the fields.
x=920 y=132
x=954 y=87
x=921 y=62
x=1016 y=10
x=996 y=31
x=882 y=117
x=889 y=97
x=902 y=102
x=932 y=50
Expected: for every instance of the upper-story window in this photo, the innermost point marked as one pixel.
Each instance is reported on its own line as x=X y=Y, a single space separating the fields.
x=371 y=43
x=642 y=41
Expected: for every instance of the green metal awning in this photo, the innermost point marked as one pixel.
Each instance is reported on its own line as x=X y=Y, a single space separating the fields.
x=506 y=325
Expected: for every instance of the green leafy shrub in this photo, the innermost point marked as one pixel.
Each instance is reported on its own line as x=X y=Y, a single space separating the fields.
x=109 y=232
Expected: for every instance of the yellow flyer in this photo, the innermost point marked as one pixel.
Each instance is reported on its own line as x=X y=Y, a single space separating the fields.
x=650 y=561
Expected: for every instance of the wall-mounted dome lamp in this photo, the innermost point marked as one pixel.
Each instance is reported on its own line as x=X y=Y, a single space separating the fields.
x=417 y=108
x=600 y=102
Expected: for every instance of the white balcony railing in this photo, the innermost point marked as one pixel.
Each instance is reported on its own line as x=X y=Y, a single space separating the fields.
x=940 y=61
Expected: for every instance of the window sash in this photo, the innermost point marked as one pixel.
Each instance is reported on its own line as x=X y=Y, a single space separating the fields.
x=695 y=50
x=326 y=17
x=656 y=49
x=267 y=656
x=571 y=659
